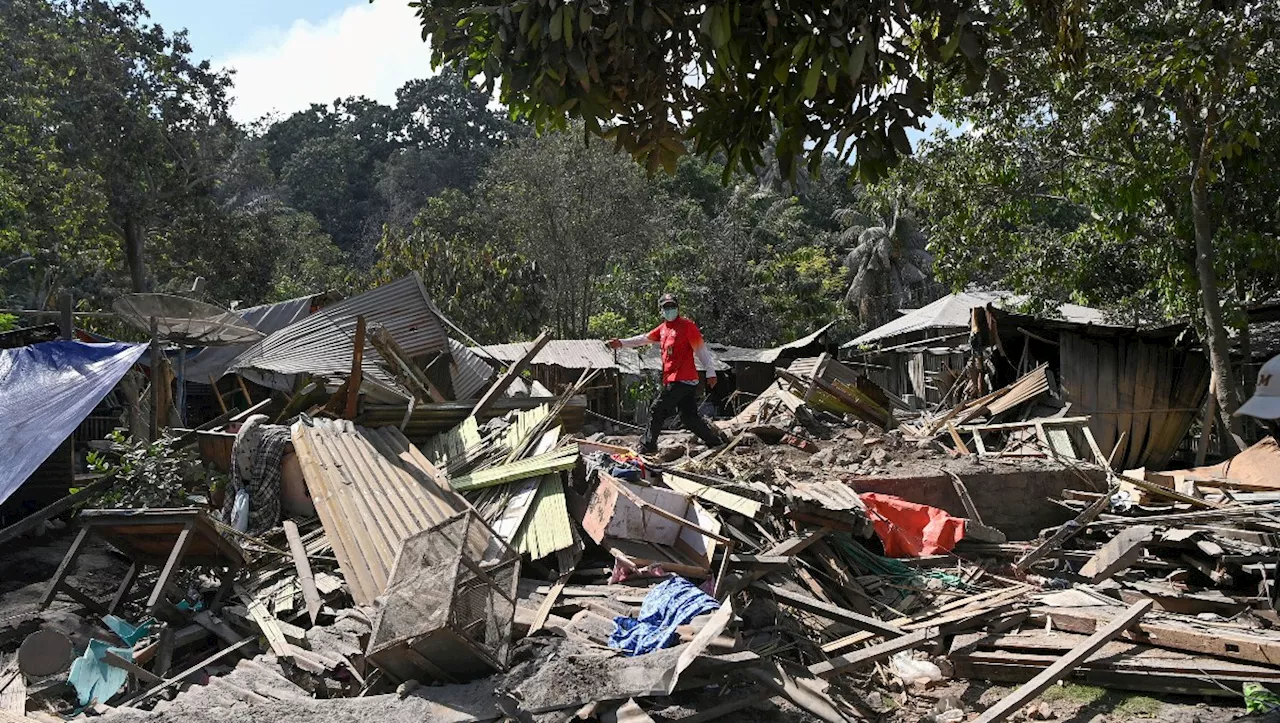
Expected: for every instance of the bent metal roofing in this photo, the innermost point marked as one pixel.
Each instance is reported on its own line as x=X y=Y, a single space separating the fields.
x=323 y=342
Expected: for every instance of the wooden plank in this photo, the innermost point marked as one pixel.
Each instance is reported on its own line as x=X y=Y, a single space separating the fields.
x=122 y=592
x=957 y=440
x=68 y=560
x=831 y=612
x=222 y=404
x=215 y=625
x=1037 y=685
x=514 y=371
x=644 y=505
x=1063 y=533
x=303 y=566
x=139 y=672
x=979 y=603
x=13 y=691
x=170 y=682
x=1119 y=553
x=357 y=370
x=874 y=653
x=544 y=610
x=33 y=520
x=170 y=566
x=808 y=697
x=267 y=624
x=1220 y=641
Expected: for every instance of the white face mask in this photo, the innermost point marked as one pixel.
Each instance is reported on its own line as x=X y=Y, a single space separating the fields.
x=670 y=313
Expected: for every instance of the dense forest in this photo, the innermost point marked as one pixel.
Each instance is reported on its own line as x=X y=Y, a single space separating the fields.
x=121 y=170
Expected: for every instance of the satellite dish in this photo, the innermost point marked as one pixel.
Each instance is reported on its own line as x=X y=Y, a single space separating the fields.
x=185 y=321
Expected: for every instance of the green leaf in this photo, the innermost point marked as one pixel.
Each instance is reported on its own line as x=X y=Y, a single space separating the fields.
x=556 y=28
x=953 y=43
x=812 y=77
x=898 y=135
x=857 y=57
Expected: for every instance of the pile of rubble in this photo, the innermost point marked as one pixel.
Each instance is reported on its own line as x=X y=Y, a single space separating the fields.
x=843 y=556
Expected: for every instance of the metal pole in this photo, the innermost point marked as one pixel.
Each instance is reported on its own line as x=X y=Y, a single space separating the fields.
x=156 y=376
x=182 y=383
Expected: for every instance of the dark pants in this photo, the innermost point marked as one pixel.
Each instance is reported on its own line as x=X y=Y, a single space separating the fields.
x=680 y=397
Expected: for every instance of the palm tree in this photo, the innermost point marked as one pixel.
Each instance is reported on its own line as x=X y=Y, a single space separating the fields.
x=888 y=259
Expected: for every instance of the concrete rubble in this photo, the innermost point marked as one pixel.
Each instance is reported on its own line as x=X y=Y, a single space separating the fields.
x=845 y=555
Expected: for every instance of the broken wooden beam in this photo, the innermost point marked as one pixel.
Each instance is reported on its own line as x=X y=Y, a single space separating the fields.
x=874 y=653
x=403 y=369
x=169 y=682
x=1119 y=553
x=357 y=370
x=515 y=370
x=1079 y=654
x=1068 y=530
x=831 y=612
x=303 y=566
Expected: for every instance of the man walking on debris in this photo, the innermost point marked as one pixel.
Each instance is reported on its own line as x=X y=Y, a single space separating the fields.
x=681 y=342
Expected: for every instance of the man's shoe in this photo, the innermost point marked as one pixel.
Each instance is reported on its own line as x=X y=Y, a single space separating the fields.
x=649 y=448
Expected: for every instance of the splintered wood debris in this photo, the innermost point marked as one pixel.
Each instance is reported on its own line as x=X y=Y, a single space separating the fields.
x=491 y=571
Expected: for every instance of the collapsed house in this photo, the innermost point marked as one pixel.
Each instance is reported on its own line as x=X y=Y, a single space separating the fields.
x=413 y=529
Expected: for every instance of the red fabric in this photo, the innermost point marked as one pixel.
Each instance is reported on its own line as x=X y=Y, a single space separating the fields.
x=679 y=338
x=911 y=530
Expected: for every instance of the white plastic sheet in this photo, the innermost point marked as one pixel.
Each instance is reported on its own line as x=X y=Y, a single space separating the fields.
x=46 y=390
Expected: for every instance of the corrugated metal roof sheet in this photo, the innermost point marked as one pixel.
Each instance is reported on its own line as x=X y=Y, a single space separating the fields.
x=322 y=343
x=212 y=361
x=595 y=354
x=567 y=353
x=952 y=312
x=470 y=373
x=372 y=490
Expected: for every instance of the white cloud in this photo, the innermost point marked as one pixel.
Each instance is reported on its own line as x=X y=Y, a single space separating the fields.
x=368 y=49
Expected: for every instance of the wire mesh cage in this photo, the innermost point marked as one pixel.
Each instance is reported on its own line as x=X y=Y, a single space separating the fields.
x=449 y=605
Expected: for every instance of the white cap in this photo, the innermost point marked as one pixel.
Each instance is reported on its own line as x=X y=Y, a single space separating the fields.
x=1265 y=402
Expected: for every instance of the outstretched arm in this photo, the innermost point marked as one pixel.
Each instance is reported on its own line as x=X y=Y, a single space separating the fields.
x=632 y=342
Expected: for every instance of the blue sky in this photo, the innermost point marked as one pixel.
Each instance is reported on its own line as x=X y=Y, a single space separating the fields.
x=220 y=28
x=288 y=54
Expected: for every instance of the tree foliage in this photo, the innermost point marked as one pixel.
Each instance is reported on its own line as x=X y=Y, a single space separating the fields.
x=1121 y=156
x=720 y=75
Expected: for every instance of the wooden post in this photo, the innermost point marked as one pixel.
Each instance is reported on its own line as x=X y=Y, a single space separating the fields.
x=1210 y=411
x=222 y=404
x=170 y=567
x=244 y=389
x=1052 y=674
x=66 y=322
x=357 y=370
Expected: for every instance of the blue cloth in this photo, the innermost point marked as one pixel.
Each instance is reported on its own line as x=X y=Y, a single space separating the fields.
x=127 y=631
x=93 y=678
x=668 y=605
x=46 y=390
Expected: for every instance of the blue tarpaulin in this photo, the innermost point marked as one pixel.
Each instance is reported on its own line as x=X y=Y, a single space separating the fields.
x=667 y=606
x=46 y=390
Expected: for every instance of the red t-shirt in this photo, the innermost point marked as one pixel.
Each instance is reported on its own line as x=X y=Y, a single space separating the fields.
x=679 y=338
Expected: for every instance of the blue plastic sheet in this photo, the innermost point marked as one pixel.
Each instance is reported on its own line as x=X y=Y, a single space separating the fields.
x=668 y=605
x=46 y=390
x=93 y=678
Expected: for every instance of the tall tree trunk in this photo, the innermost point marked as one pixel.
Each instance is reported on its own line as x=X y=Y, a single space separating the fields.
x=134 y=254
x=1216 y=330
